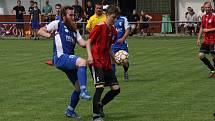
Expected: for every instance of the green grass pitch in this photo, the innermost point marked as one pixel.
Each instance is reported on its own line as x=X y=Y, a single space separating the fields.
x=167 y=83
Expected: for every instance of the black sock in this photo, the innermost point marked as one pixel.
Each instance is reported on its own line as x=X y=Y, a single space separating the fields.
x=96 y=100
x=207 y=62
x=109 y=96
x=126 y=67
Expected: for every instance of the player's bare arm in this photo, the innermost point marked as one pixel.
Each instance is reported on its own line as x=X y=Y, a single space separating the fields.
x=88 y=46
x=121 y=40
x=44 y=32
x=82 y=43
x=209 y=30
x=199 y=35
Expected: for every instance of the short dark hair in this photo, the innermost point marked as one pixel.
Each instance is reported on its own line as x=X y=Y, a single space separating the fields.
x=98 y=3
x=58 y=5
x=111 y=9
x=64 y=9
x=18 y=1
x=71 y=25
x=35 y=2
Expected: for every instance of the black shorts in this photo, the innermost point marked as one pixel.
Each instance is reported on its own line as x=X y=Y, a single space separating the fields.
x=101 y=76
x=144 y=25
x=19 y=25
x=207 y=48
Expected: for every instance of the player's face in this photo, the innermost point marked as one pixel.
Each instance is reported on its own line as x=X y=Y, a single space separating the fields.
x=111 y=19
x=208 y=8
x=98 y=9
x=70 y=14
x=57 y=8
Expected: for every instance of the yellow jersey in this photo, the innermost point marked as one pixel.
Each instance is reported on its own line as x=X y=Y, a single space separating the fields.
x=94 y=20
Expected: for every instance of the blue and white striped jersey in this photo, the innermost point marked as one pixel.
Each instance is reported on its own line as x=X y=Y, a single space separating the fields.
x=64 y=40
x=121 y=25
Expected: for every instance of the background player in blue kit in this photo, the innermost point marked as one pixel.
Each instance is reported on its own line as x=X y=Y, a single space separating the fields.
x=123 y=29
x=66 y=36
x=57 y=9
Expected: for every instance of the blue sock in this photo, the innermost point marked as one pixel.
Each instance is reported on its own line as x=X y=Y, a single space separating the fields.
x=74 y=100
x=114 y=69
x=82 y=77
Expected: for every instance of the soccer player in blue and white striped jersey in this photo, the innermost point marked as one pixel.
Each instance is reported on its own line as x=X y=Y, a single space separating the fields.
x=66 y=36
x=123 y=29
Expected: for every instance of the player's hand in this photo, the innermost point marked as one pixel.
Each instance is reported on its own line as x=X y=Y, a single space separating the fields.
x=198 y=42
x=205 y=30
x=90 y=59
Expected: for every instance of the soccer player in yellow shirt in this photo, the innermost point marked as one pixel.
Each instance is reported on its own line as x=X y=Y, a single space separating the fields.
x=98 y=17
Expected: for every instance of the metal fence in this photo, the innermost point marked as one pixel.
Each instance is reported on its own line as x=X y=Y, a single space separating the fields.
x=164 y=27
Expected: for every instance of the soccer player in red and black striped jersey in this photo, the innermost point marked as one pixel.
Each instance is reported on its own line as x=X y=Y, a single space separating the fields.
x=208 y=45
x=100 y=57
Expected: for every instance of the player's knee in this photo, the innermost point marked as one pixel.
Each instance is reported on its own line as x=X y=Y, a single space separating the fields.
x=116 y=92
x=201 y=55
x=100 y=86
x=81 y=62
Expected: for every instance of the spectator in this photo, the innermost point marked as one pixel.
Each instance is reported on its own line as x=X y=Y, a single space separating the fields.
x=57 y=9
x=19 y=10
x=78 y=11
x=201 y=13
x=31 y=6
x=134 y=18
x=191 y=26
x=47 y=11
x=188 y=10
x=29 y=12
x=144 y=18
x=35 y=20
x=89 y=11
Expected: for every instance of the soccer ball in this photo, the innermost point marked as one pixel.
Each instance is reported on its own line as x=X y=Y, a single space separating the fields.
x=121 y=57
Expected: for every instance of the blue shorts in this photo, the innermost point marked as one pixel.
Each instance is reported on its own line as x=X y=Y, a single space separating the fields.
x=35 y=25
x=117 y=48
x=67 y=63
